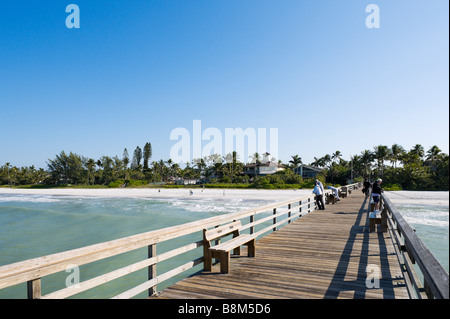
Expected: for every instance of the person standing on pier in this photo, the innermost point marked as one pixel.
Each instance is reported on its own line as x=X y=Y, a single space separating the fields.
x=319 y=196
x=367 y=185
x=376 y=193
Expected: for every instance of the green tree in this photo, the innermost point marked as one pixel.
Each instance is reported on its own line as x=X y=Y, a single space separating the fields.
x=125 y=158
x=366 y=160
x=396 y=153
x=381 y=153
x=433 y=153
x=137 y=157
x=66 y=167
x=147 y=154
x=295 y=161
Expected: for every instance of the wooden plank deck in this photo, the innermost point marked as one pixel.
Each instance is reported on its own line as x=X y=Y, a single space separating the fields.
x=322 y=255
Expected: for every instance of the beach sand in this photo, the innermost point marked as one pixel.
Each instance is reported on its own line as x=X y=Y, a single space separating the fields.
x=208 y=193
x=419 y=198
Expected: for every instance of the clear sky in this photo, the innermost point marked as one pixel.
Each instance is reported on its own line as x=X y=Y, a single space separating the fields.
x=136 y=70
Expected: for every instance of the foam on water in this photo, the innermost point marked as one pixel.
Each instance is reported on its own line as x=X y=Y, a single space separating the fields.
x=37 y=225
x=428 y=214
x=28 y=198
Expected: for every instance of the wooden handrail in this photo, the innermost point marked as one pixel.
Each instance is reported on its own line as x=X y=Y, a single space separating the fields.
x=412 y=250
x=31 y=271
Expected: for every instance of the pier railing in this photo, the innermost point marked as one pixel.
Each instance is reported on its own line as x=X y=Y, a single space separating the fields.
x=411 y=250
x=256 y=221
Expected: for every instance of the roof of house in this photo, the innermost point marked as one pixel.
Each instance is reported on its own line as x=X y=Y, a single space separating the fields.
x=263 y=164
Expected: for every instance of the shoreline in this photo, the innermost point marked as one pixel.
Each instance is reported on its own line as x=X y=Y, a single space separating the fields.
x=438 y=198
x=180 y=193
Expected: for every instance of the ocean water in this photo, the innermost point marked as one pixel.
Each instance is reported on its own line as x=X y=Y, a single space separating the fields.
x=37 y=225
x=428 y=214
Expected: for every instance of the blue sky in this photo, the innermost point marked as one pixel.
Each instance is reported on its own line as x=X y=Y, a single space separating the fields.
x=136 y=70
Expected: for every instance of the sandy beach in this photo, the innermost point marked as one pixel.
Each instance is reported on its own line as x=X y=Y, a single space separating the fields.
x=182 y=193
x=419 y=198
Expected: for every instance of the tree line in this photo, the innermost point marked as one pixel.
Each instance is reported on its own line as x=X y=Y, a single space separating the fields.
x=412 y=169
x=399 y=168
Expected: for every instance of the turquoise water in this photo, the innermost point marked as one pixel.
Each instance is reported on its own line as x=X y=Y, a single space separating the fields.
x=38 y=225
x=432 y=226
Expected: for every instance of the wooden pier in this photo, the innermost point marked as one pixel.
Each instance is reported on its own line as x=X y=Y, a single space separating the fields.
x=300 y=252
x=326 y=254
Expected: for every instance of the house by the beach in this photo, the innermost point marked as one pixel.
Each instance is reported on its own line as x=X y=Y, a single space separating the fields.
x=262 y=168
x=307 y=171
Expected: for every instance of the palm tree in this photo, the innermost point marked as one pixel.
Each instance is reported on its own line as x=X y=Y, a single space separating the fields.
x=433 y=153
x=396 y=153
x=295 y=161
x=316 y=162
x=418 y=150
x=366 y=159
x=381 y=153
x=336 y=155
x=326 y=159
x=255 y=158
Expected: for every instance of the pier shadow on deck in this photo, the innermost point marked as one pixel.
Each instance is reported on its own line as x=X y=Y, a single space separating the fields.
x=377 y=272
x=324 y=254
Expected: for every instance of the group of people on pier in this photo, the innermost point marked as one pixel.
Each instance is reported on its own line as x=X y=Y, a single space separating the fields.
x=376 y=190
x=367 y=186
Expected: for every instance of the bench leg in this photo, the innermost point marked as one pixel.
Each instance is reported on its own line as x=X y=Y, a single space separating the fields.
x=207 y=260
x=384 y=224
x=225 y=262
x=372 y=225
x=237 y=251
x=251 y=248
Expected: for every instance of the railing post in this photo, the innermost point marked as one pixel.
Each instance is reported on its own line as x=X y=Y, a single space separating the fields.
x=152 y=268
x=34 y=289
x=300 y=209
x=289 y=213
x=274 y=219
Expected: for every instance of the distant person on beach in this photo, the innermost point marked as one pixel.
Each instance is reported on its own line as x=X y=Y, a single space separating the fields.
x=376 y=193
x=191 y=192
x=318 y=191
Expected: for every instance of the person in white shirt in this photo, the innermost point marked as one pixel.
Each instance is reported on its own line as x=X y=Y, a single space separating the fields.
x=319 y=197
x=335 y=192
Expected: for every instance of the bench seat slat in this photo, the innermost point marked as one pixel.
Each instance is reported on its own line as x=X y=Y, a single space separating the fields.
x=222 y=230
x=233 y=243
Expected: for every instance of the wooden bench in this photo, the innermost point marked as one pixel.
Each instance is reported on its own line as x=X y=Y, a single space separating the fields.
x=331 y=198
x=343 y=192
x=222 y=251
x=372 y=205
x=377 y=217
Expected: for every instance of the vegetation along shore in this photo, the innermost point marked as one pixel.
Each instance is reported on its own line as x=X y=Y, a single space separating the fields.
x=414 y=169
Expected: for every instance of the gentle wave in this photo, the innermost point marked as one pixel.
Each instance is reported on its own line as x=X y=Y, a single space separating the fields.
x=28 y=199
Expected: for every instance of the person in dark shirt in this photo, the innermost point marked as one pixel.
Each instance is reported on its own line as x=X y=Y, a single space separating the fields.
x=376 y=193
x=367 y=185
